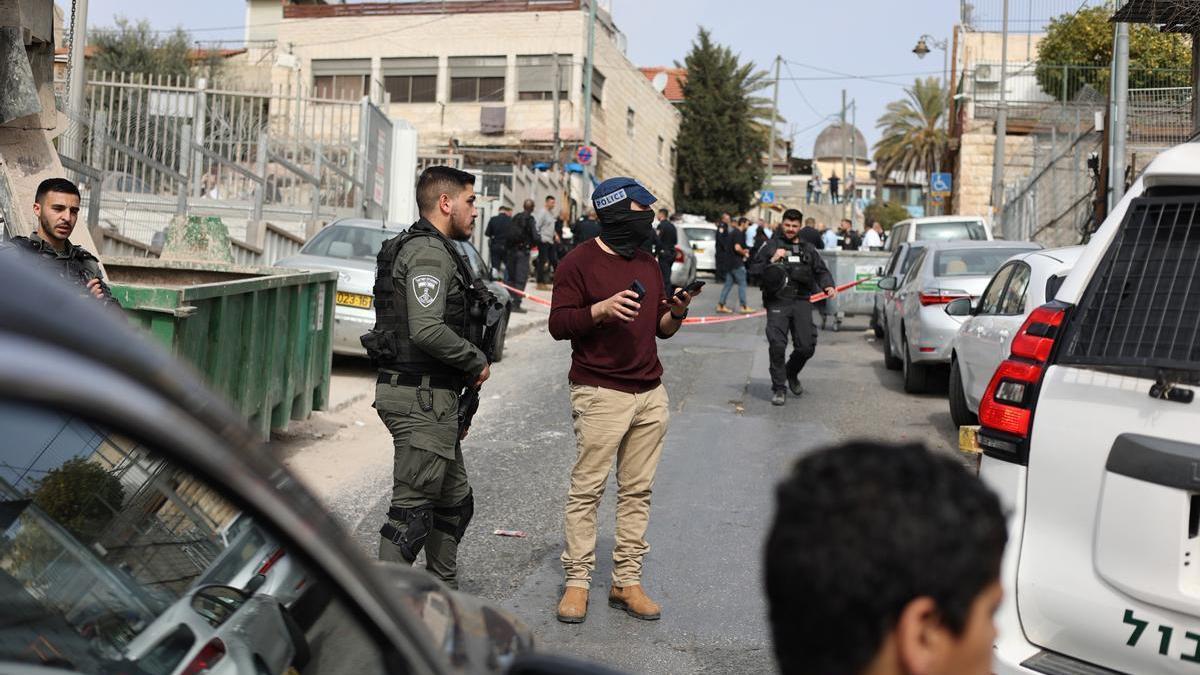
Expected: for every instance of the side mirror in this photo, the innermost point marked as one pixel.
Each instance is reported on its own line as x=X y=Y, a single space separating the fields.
x=959 y=307
x=889 y=283
x=256 y=582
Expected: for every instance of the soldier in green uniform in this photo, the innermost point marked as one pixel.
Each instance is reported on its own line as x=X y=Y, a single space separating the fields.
x=430 y=348
x=56 y=205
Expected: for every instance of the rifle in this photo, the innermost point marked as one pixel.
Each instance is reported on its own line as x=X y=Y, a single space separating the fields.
x=468 y=405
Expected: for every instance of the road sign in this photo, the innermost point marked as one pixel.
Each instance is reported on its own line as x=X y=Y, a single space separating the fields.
x=768 y=197
x=940 y=183
x=584 y=154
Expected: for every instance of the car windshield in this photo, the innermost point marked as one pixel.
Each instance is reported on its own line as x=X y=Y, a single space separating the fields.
x=971 y=262
x=950 y=231
x=245 y=549
x=348 y=243
x=700 y=234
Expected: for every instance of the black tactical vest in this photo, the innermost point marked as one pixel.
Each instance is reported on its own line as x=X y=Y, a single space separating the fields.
x=801 y=278
x=388 y=344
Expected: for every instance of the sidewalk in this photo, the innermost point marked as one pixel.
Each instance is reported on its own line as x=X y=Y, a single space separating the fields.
x=536 y=314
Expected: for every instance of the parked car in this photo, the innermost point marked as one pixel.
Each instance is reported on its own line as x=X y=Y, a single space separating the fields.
x=1089 y=436
x=220 y=629
x=683 y=270
x=702 y=236
x=897 y=266
x=350 y=247
x=253 y=559
x=917 y=332
x=1025 y=281
x=163 y=457
x=938 y=228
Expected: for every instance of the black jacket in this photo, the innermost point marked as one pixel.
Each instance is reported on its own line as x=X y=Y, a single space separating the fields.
x=74 y=265
x=522 y=232
x=812 y=236
x=497 y=228
x=584 y=229
x=668 y=238
x=821 y=276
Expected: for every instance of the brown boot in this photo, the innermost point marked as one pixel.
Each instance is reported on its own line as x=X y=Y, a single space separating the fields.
x=573 y=606
x=635 y=602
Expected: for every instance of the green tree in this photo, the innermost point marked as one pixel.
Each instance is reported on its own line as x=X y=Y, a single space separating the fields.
x=1085 y=39
x=135 y=48
x=723 y=131
x=80 y=496
x=887 y=214
x=914 y=140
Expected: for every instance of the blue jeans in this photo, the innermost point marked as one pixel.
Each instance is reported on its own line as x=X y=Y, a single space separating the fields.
x=737 y=274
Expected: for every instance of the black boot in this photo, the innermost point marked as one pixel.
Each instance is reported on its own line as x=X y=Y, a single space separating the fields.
x=794 y=384
x=779 y=397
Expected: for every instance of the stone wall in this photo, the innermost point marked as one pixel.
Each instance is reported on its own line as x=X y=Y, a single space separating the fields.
x=973 y=168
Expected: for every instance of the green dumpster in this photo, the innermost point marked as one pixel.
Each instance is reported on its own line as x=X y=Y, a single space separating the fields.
x=260 y=336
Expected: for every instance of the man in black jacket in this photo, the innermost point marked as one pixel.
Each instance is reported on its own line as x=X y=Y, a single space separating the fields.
x=791 y=271
x=518 y=241
x=496 y=231
x=586 y=228
x=668 y=238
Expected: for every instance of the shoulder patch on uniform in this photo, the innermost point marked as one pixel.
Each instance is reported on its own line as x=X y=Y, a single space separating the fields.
x=425 y=288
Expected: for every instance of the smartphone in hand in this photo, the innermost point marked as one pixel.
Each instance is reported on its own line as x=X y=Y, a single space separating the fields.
x=638 y=288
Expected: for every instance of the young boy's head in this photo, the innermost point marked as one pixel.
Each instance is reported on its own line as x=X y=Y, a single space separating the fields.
x=884 y=559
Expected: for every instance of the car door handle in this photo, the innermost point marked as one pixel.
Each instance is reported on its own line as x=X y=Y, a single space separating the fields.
x=1156 y=460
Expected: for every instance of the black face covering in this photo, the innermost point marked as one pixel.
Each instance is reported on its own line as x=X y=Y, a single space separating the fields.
x=625 y=230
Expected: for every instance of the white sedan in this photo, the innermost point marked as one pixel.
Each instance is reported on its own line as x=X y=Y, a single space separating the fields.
x=1025 y=282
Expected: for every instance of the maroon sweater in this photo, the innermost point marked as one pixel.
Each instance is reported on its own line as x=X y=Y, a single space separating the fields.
x=614 y=354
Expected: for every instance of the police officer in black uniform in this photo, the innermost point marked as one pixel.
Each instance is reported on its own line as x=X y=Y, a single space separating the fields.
x=432 y=342
x=791 y=271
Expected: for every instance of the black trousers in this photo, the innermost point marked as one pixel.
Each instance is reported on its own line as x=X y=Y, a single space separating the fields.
x=516 y=272
x=792 y=317
x=664 y=264
x=546 y=261
x=498 y=255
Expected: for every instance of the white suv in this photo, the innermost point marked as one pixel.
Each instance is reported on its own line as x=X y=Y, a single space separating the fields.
x=1092 y=439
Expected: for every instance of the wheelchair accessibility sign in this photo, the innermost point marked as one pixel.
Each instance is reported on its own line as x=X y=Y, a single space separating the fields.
x=940 y=183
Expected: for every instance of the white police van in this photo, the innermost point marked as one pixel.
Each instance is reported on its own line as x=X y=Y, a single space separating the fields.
x=1091 y=435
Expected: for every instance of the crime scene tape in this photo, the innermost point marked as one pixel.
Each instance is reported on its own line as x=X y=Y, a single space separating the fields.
x=704 y=320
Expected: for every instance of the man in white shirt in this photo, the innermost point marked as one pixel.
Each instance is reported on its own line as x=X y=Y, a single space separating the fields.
x=873 y=238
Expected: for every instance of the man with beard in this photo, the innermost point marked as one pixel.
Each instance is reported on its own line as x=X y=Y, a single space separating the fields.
x=791 y=271
x=428 y=346
x=56 y=205
x=609 y=302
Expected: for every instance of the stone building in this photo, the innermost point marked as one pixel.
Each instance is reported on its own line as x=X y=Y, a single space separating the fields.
x=479 y=80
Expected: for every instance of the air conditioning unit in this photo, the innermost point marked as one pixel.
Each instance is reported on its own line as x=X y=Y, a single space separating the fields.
x=987 y=74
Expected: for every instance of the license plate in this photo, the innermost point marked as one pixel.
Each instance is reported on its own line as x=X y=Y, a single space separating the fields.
x=698 y=249
x=354 y=300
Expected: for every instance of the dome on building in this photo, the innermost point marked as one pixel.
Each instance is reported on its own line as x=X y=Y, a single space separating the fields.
x=831 y=141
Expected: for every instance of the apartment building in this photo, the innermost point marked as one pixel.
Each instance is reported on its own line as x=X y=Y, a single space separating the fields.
x=481 y=80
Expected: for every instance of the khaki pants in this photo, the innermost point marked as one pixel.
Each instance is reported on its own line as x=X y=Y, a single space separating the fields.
x=629 y=427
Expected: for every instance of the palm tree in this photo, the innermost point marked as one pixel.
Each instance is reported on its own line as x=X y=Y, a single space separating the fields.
x=913 y=138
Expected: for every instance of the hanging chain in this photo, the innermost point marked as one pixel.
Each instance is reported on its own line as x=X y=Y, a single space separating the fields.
x=70 y=61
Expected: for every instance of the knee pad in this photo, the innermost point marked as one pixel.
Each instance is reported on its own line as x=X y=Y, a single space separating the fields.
x=464 y=510
x=418 y=521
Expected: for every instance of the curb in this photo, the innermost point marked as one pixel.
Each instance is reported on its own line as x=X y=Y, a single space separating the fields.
x=514 y=331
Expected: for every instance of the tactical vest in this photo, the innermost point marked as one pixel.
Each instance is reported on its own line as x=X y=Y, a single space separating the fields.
x=800 y=274
x=389 y=345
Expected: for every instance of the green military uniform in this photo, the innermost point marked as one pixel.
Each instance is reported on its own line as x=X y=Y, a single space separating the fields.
x=426 y=357
x=74 y=264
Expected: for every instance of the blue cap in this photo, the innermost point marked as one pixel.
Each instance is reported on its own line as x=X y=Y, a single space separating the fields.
x=615 y=190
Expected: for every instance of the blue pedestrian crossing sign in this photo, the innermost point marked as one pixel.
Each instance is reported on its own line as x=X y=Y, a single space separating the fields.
x=768 y=197
x=940 y=183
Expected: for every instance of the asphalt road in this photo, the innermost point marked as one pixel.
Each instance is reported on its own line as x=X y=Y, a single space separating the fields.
x=712 y=503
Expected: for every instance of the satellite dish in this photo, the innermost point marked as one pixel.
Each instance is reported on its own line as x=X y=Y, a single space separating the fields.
x=659 y=82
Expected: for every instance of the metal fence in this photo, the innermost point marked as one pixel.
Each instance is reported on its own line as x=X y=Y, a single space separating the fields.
x=149 y=148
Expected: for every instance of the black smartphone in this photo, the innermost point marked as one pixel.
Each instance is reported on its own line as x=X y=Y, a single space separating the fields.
x=691 y=288
x=638 y=288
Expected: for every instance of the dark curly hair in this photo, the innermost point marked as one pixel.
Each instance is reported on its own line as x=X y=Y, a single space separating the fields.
x=860 y=531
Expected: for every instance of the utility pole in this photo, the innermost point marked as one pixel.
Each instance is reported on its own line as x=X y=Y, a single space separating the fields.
x=854 y=159
x=1120 y=113
x=1001 y=128
x=843 y=144
x=77 y=84
x=557 y=161
x=774 y=117
x=587 y=97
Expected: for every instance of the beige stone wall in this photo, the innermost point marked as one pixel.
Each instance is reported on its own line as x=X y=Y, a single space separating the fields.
x=973 y=171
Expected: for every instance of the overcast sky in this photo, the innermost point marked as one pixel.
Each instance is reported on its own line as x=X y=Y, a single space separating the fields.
x=858 y=37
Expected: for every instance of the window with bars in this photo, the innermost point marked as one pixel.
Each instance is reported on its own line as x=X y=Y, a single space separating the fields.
x=536 y=77
x=1141 y=309
x=410 y=80
x=477 y=78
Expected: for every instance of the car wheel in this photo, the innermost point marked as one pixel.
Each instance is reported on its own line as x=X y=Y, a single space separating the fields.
x=959 y=412
x=914 y=374
x=501 y=334
x=299 y=643
x=890 y=361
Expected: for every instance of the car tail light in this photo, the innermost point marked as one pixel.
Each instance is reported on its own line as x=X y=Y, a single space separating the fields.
x=678 y=254
x=270 y=562
x=1006 y=409
x=940 y=296
x=208 y=657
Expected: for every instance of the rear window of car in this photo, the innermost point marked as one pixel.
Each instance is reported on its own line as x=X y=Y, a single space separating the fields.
x=700 y=233
x=348 y=243
x=913 y=254
x=166 y=655
x=971 y=262
x=243 y=550
x=952 y=231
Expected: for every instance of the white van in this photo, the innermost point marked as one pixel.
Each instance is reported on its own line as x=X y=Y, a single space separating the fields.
x=938 y=228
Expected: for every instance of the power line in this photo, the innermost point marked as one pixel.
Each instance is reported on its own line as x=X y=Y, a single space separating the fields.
x=852 y=76
x=801 y=92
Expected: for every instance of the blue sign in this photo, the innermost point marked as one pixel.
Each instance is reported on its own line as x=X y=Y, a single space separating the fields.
x=768 y=197
x=940 y=182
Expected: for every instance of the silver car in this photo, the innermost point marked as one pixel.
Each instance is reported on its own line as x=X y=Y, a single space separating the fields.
x=683 y=269
x=702 y=238
x=350 y=246
x=253 y=559
x=219 y=629
x=917 y=331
